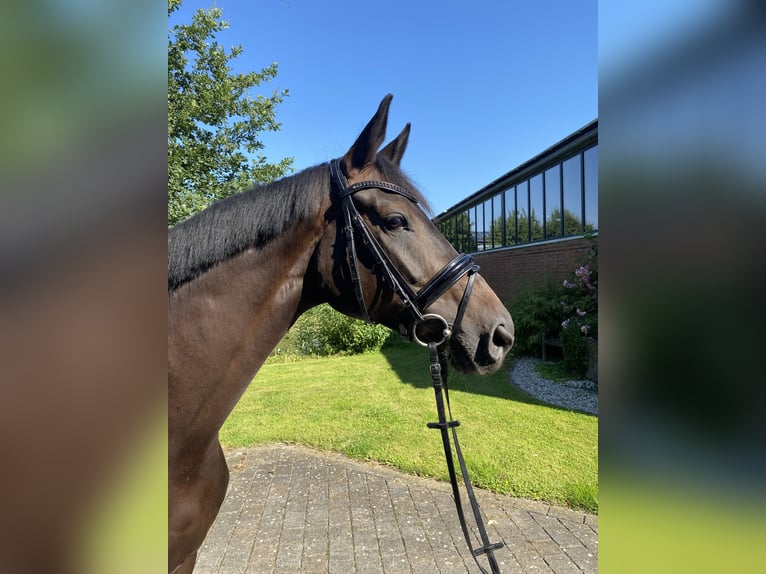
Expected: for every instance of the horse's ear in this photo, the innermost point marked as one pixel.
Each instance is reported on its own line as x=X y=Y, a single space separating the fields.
x=395 y=149
x=366 y=145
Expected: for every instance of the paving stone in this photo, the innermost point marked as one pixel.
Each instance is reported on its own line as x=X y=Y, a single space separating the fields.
x=585 y=558
x=530 y=528
x=555 y=557
x=292 y=509
x=557 y=531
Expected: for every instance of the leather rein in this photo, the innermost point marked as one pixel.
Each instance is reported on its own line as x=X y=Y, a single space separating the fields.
x=427 y=329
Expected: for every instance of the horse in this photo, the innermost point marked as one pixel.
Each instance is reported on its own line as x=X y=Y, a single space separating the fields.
x=355 y=234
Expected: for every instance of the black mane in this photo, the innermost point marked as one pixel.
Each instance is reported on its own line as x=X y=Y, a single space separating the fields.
x=248 y=219
x=253 y=218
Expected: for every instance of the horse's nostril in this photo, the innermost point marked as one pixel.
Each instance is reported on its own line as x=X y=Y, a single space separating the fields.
x=503 y=337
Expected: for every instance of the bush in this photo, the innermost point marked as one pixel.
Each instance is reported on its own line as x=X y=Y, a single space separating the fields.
x=568 y=310
x=324 y=331
x=536 y=310
x=575 y=350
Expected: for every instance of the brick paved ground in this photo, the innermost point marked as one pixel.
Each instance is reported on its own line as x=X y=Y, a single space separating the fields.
x=291 y=509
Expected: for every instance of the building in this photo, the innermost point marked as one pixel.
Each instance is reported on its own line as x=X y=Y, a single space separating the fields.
x=533 y=223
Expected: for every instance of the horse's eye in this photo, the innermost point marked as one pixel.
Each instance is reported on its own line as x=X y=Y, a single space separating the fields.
x=395 y=221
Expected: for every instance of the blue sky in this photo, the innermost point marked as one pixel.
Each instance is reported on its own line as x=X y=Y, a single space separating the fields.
x=485 y=84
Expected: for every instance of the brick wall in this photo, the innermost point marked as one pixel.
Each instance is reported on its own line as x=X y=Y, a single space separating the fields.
x=508 y=270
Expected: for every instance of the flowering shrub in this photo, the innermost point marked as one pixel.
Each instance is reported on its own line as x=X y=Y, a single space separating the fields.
x=580 y=305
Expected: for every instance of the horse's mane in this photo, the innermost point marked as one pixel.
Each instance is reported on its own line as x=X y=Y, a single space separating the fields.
x=253 y=218
x=248 y=219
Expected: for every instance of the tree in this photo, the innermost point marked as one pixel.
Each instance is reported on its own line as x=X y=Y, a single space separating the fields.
x=213 y=121
x=572 y=223
x=523 y=226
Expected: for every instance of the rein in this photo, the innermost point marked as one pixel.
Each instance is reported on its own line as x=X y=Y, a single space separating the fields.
x=427 y=329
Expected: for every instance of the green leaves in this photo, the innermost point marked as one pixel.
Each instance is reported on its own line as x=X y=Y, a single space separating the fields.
x=324 y=331
x=214 y=120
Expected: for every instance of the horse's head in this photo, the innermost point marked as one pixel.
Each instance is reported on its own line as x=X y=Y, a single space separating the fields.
x=401 y=271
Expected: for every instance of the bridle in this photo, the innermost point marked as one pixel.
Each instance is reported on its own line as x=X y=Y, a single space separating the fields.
x=427 y=329
x=415 y=302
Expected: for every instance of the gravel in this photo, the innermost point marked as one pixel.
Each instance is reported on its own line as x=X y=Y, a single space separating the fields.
x=574 y=395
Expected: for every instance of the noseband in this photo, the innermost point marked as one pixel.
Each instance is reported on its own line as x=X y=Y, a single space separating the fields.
x=425 y=327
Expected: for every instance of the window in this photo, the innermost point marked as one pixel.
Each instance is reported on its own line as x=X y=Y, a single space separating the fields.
x=464 y=232
x=474 y=228
x=573 y=214
x=498 y=222
x=553 y=219
x=535 y=208
x=447 y=228
x=591 y=188
x=522 y=212
x=559 y=200
x=511 y=237
x=486 y=209
x=451 y=232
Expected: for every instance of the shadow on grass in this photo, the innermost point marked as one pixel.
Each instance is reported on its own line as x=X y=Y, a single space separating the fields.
x=411 y=363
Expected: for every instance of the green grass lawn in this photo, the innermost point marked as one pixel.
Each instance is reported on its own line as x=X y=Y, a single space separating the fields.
x=375 y=407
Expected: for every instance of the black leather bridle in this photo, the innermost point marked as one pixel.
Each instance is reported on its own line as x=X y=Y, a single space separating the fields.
x=427 y=329
x=352 y=225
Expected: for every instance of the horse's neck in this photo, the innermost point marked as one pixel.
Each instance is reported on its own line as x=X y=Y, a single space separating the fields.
x=223 y=325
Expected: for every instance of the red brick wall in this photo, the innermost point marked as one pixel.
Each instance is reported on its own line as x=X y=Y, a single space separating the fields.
x=508 y=270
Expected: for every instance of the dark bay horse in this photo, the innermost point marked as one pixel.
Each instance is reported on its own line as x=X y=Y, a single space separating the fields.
x=241 y=272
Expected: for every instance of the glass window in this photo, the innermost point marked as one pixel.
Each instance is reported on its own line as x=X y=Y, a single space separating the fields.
x=486 y=209
x=454 y=236
x=522 y=212
x=510 y=216
x=474 y=228
x=467 y=241
x=536 y=207
x=572 y=196
x=480 y=243
x=591 y=188
x=553 y=221
x=477 y=215
x=498 y=221
x=447 y=228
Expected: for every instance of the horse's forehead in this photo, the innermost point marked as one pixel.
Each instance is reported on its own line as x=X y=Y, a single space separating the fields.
x=368 y=172
x=385 y=200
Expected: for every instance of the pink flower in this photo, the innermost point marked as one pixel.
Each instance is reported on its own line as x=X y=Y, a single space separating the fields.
x=580 y=313
x=584 y=329
x=583 y=271
x=569 y=285
x=565 y=323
